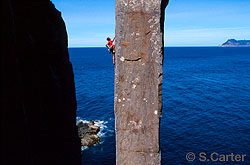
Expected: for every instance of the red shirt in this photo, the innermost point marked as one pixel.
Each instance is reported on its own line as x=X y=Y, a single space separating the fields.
x=110 y=43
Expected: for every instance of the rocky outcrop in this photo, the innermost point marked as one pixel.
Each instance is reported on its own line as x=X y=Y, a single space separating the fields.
x=138 y=80
x=38 y=104
x=88 y=133
x=236 y=43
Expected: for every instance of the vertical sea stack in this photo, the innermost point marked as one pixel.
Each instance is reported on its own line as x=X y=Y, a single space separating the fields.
x=38 y=104
x=138 y=80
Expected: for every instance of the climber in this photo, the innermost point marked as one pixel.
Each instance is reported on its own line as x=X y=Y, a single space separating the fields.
x=111 y=47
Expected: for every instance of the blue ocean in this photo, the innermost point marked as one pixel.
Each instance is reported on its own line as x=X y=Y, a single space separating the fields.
x=206 y=102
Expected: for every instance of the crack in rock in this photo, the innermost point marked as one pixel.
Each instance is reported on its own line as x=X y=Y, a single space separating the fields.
x=137 y=59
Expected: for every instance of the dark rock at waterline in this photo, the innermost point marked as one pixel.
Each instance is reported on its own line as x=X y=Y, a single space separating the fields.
x=88 y=133
x=90 y=139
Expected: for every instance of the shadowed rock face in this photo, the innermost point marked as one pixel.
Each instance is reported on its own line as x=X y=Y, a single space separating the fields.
x=37 y=87
x=138 y=80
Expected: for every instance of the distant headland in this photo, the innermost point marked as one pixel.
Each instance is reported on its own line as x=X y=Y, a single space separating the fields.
x=236 y=43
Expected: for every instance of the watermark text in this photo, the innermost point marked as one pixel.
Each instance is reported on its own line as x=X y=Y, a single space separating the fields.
x=216 y=157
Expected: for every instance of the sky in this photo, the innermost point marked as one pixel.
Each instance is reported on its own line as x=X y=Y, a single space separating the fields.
x=187 y=22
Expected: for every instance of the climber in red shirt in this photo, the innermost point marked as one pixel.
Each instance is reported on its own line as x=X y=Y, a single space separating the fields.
x=111 y=47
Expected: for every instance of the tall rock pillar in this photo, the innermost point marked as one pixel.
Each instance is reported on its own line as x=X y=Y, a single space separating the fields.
x=138 y=80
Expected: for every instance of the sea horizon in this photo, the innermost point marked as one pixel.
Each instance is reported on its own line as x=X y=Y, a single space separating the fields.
x=176 y=47
x=164 y=46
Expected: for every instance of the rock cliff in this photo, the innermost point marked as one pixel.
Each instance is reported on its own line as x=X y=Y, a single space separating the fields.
x=38 y=104
x=138 y=80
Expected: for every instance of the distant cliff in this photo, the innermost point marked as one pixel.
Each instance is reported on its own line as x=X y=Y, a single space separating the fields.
x=236 y=43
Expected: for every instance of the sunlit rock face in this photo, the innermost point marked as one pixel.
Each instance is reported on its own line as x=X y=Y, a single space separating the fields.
x=138 y=80
x=38 y=105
